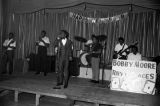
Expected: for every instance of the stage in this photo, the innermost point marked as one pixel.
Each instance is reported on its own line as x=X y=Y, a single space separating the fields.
x=79 y=89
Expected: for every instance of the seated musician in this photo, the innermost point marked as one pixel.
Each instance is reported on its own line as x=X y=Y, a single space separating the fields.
x=88 y=46
x=120 y=51
x=134 y=55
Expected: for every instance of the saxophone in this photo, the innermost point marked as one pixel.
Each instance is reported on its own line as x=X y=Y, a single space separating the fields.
x=58 y=57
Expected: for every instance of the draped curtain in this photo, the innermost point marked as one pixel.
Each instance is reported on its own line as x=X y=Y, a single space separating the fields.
x=146 y=30
x=143 y=27
x=1 y=24
x=2 y=19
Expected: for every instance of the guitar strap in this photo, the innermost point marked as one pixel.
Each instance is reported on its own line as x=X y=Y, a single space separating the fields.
x=10 y=42
x=5 y=51
x=123 y=47
x=119 y=53
x=43 y=41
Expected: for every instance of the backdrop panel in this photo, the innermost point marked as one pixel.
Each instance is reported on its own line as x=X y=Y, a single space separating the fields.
x=143 y=27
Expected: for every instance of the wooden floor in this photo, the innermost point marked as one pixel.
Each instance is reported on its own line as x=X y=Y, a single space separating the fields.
x=27 y=99
x=78 y=89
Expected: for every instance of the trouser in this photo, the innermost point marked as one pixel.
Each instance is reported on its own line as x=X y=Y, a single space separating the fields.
x=95 y=68
x=88 y=58
x=8 y=59
x=41 y=59
x=62 y=71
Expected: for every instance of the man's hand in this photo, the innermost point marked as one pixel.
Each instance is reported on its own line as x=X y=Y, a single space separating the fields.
x=70 y=58
x=56 y=50
x=37 y=43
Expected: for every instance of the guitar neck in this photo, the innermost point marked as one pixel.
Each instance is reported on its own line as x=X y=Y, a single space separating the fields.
x=134 y=44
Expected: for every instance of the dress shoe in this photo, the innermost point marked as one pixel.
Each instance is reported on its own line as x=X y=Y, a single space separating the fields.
x=92 y=81
x=10 y=73
x=57 y=87
x=96 y=81
x=65 y=86
x=37 y=73
x=4 y=72
x=45 y=74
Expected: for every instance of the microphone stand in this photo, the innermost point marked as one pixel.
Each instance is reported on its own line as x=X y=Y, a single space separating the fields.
x=103 y=65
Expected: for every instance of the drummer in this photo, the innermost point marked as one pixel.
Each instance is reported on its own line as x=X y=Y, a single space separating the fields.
x=88 y=49
x=88 y=45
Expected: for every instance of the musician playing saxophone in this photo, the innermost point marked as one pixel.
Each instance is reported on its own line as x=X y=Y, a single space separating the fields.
x=121 y=51
x=42 y=44
x=9 y=45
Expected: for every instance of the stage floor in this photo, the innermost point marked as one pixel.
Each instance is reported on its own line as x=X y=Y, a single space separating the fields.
x=79 y=89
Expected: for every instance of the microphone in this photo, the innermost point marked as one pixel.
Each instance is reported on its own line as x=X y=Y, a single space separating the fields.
x=58 y=38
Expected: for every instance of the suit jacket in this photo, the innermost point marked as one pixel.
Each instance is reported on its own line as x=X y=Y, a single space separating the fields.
x=67 y=49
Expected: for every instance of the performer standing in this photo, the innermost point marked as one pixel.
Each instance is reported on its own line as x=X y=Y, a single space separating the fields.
x=120 y=51
x=42 y=44
x=64 y=50
x=10 y=45
x=95 y=59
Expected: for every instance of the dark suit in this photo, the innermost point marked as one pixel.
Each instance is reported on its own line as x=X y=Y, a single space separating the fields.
x=62 y=62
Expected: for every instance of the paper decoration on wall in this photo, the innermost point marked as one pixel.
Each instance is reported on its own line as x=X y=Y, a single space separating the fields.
x=149 y=87
x=115 y=83
x=97 y=20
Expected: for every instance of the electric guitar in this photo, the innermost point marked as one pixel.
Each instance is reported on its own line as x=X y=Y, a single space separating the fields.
x=119 y=54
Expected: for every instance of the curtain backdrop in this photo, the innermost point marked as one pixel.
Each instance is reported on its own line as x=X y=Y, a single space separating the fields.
x=143 y=27
x=1 y=24
x=22 y=6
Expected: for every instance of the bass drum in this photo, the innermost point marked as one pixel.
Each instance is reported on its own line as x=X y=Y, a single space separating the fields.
x=85 y=59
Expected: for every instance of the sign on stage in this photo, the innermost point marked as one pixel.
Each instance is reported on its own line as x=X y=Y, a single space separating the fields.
x=133 y=76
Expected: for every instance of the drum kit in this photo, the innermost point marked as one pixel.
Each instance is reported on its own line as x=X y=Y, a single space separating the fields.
x=84 y=55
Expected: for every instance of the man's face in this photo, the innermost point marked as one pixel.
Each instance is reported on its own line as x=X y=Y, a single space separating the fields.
x=94 y=40
x=134 y=50
x=10 y=36
x=121 y=42
x=42 y=34
x=62 y=35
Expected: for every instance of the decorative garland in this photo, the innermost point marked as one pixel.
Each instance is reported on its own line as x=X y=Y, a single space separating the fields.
x=97 y=20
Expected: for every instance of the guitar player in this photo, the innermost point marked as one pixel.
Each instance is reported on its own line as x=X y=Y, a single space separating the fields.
x=121 y=51
x=9 y=45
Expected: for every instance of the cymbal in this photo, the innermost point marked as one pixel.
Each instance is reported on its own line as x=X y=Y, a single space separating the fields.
x=89 y=45
x=89 y=42
x=80 y=39
x=101 y=37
